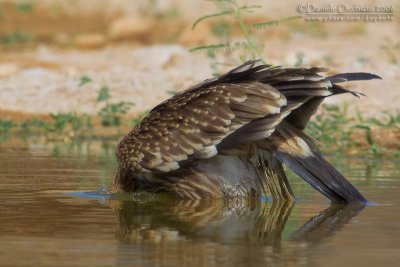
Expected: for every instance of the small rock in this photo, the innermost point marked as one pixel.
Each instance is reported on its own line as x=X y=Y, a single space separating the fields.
x=129 y=27
x=90 y=40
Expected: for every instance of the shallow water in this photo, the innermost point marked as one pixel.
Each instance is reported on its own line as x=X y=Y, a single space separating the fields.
x=48 y=219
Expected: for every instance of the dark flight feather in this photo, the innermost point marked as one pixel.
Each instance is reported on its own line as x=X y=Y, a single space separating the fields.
x=352 y=76
x=321 y=175
x=298 y=151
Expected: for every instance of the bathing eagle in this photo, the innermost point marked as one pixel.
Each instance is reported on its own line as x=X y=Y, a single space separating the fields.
x=230 y=136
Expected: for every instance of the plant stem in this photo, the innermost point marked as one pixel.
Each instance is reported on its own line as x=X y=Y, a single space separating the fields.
x=248 y=36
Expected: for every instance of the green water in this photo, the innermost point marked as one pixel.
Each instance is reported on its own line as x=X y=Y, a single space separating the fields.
x=49 y=219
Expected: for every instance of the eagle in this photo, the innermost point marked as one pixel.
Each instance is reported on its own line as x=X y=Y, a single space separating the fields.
x=230 y=136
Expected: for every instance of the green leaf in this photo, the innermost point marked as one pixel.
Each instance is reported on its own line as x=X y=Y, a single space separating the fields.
x=273 y=22
x=14 y=38
x=220 y=14
x=84 y=80
x=363 y=127
x=24 y=6
x=217 y=47
x=209 y=47
x=5 y=125
x=104 y=94
x=249 y=8
x=376 y=122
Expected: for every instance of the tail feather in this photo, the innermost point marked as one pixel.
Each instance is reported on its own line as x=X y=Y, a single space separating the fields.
x=353 y=76
x=321 y=175
x=297 y=151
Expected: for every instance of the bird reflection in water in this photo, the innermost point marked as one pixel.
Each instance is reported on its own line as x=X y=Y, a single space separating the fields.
x=223 y=232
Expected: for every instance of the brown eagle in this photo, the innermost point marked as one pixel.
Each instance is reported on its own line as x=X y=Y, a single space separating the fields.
x=229 y=136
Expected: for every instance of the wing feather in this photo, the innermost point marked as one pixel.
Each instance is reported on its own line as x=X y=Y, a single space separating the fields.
x=191 y=125
x=244 y=105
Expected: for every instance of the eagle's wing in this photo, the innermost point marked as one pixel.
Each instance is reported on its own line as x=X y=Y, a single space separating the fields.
x=210 y=116
x=242 y=106
x=189 y=126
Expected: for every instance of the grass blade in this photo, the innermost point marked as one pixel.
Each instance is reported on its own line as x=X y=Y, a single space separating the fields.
x=273 y=22
x=220 y=14
x=209 y=47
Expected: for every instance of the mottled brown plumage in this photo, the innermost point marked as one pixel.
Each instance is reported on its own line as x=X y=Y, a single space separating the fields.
x=229 y=136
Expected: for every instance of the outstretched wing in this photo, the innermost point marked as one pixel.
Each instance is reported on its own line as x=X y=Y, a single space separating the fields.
x=242 y=106
x=189 y=126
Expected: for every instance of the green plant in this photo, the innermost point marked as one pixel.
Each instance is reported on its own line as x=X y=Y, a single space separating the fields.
x=111 y=112
x=337 y=132
x=334 y=128
x=331 y=126
x=84 y=80
x=392 y=120
x=15 y=38
x=251 y=46
x=58 y=123
x=76 y=122
x=24 y=6
x=374 y=148
x=39 y=124
x=6 y=126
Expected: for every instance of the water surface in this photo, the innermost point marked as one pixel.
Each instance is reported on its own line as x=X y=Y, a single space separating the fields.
x=47 y=219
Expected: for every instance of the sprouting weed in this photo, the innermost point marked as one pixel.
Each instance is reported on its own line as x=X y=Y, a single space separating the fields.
x=111 y=112
x=25 y=6
x=14 y=38
x=6 y=126
x=84 y=80
x=104 y=94
x=336 y=130
x=251 y=47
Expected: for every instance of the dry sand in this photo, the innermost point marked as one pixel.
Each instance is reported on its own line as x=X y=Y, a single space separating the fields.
x=45 y=78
